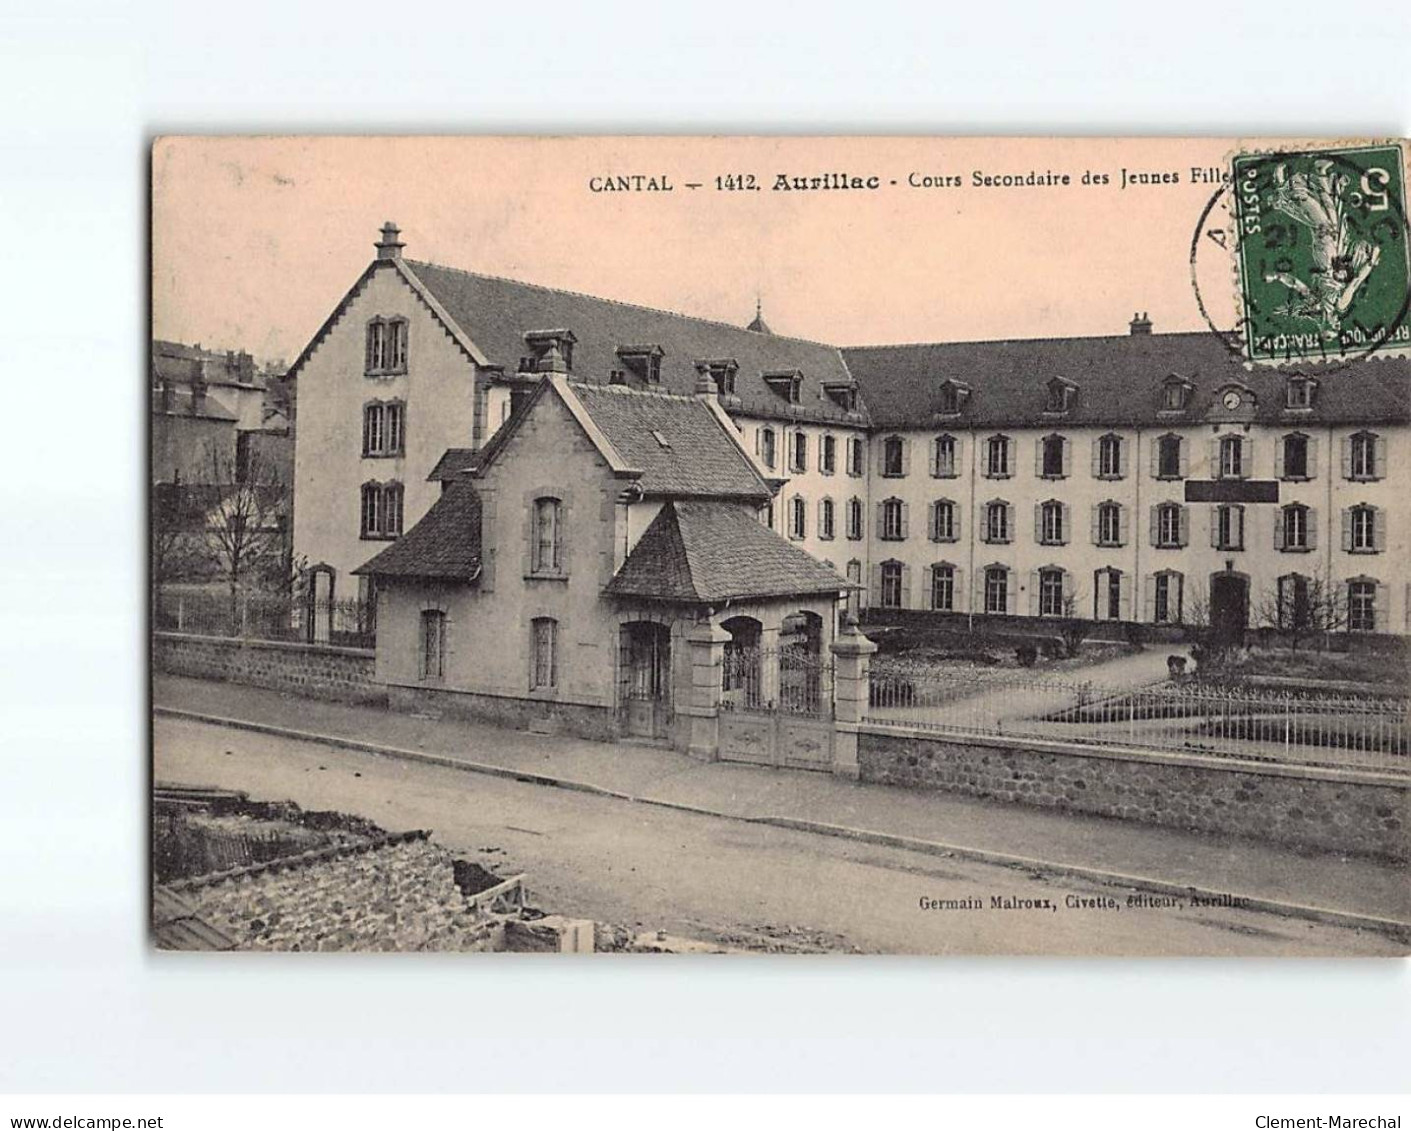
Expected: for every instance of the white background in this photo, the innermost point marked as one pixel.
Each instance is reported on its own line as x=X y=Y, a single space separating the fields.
x=83 y=1007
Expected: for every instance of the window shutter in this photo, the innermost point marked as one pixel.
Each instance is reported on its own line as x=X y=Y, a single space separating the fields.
x=1347 y=528
x=905 y=456
x=1311 y=519
x=1279 y=458
x=759 y=441
x=1185 y=525
x=1123 y=531
x=1038 y=522
x=1246 y=457
x=1097 y=523
x=1279 y=529
x=1149 y=599
x=1011 y=592
x=874 y=597
x=1311 y=447
x=906 y=587
x=1067 y=592
x=1379 y=457
x=1038 y=457
x=881 y=527
x=1347 y=457
x=1215 y=527
x=1155 y=525
x=1009 y=534
x=1124 y=596
x=1121 y=470
x=1183 y=457
x=367 y=429
x=933 y=527
x=819 y=519
x=1377 y=531
x=1065 y=534
x=957 y=591
x=1381 y=610
x=977 y=595
x=1097 y=456
x=1067 y=458
x=905 y=518
x=1215 y=458
x=1033 y=593
x=1155 y=460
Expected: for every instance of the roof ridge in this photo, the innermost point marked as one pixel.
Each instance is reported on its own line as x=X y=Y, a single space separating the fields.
x=627 y=390
x=614 y=301
x=1027 y=341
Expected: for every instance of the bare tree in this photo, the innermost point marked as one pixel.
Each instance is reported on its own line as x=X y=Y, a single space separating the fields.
x=176 y=537
x=1073 y=629
x=1305 y=607
x=245 y=530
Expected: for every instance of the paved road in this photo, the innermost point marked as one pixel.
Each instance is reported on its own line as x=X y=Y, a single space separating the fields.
x=714 y=878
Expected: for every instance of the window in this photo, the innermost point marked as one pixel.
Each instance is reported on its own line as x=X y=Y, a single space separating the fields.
x=381 y=510
x=943 y=457
x=433 y=644
x=1168 y=526
x=544 y=671
x=893 y=457
x=948 y=398
x=1173 y=394
x=1295 y=457
x=826 y=521
x=1298 y=393
x=1108 y=457
x=891 y=585
x=1051 y=593
x=1228 y=527
x=798 y=451
x=997 y=522
x=1294 y=609
x=242 y=457
x=943 y=587
x=1060 y=394
x=1051 y=527
x=1232 y=457
x=893 y=520
x=1294 y=528
x=828 y=455
x=943 y=523
x=854 y=518
x=383 y=428
x=386 y=345
x=1361 y=605
x=1107 y=594
x=1363 y=456
x=855 y=461
x=1166 y=595
x=798 y=517
x=764 y=447
x=767 y=515
x=1168 y=458
x=1052 y=464
x=1360 y=533
x=546 y=555
x=997 y=464
x=1109 y=530
x=996 y=589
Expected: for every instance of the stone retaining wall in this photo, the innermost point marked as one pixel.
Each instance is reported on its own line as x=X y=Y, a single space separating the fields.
x=543 y=716
x=1360 y=813
x=318 y=671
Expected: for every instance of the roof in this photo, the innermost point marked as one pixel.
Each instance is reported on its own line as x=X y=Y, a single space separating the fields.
x=177 y=926
x=180 y=363
x=700 y=551
x=495 y=313
x=1119 y=381
x=444 y=545
x=453 y=463
x=184 y=404
x=680 y=444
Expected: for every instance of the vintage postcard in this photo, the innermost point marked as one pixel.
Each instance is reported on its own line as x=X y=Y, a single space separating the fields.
x=781 y=545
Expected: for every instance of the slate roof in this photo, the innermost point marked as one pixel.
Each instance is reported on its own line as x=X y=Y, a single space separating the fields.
x=454 y=463
x=443 y=546
x=1119 y=382
x=180 y=363
x=678 y=443
x=495 y=313
x=704 y=552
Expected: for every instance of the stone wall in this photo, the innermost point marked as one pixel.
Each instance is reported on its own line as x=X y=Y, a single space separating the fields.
x=1341 y=811
x=544 y=716
x=317 y=671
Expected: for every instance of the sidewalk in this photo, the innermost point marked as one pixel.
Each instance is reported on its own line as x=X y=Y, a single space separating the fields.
x=1060 y=842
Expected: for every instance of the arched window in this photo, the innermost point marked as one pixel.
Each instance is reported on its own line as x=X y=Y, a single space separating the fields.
x=798 y=451
x=997 y=524
x=1361 y=529
x=828 y=454
x=1168 y=457
x=891 y=585
x=1295 y=610
x=1232 y=457
x=1294 y=528
x=386 y=346
x=1227 y=527
x=998 y=462
x=384 y=428
x=893 y=521
x=945 y=527
x=381 y=510
x=1109 y=594
x=1165 y=596
x=943 y=454
x=432 y=648
x=1053 y=451
x=1364 y=456
x=1294 y=453
x=1169 y=526
x=1052 y=592
x=1051 y=523
x=1108 y=525
x=1108 y=461
x=764 y=447
x=1362 y=605
x=546 y=552
x=996 y=594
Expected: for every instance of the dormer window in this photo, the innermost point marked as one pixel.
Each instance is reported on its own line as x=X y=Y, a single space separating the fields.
x=1175 y=393
x=1060 y=395
x=950 y=397
x=787 y=384
x=722 y=371
x=844 y=396
x=550 y=351
x=643 y=360
x=1298 y=393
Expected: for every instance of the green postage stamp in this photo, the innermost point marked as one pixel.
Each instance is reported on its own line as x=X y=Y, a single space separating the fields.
x=1322 y=252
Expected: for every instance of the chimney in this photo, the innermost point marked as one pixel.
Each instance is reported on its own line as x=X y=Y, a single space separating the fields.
x=198 y=388
x=705 y=381
x=390 y=245
x=1140 y=324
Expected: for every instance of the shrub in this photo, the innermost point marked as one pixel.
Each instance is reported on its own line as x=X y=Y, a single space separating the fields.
x=1073 y=631
x=1176 y=666
x=1027 y=654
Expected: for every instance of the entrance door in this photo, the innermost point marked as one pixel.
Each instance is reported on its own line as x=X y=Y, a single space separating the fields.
x=646 y=678
x=1229 y=607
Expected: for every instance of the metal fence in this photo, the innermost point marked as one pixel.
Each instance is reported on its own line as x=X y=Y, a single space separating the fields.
x=255 y=616
x=1298 y=727
x=791 y=680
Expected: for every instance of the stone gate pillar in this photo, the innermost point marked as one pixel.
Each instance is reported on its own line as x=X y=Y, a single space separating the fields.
x=852 y=664
x=706 y=642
